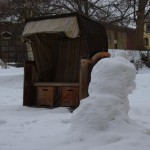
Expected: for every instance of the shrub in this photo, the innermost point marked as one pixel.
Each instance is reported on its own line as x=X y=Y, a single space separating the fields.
x=145 y=57
x=3 y=64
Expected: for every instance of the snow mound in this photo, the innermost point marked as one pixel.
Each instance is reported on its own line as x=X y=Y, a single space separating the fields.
x=112 y=80
x=11 y=71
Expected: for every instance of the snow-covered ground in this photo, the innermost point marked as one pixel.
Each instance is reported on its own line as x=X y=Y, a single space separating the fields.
x=23 y=128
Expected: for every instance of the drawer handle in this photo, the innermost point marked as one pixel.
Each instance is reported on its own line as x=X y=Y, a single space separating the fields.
x=70 y=90
x=45 y=89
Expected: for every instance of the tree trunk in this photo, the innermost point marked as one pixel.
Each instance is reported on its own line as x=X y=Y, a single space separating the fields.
x=139 y=42
x=86 y=8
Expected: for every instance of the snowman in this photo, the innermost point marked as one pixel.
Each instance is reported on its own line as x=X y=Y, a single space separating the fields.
x=112 y=80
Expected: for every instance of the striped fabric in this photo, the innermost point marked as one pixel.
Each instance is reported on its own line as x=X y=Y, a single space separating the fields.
x=67 y=69
x=67 y=25
x=57 y=59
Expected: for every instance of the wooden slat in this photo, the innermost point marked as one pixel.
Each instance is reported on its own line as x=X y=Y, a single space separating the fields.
x=55 y=84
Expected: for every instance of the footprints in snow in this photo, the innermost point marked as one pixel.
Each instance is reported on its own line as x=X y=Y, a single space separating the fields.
x=28 y=122
x=2 y=122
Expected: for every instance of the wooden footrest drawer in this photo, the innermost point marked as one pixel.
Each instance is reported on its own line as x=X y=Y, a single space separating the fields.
x=69 y=96
x=45 y=96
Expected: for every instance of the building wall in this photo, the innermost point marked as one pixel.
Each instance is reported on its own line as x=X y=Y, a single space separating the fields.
x=122 y=40
x=147 y=36
x=12 y=50
x=111 y=39
x=117 y=39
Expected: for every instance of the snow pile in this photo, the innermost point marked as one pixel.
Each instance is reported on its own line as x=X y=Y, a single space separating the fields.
x=112 y=80
x=144 y=70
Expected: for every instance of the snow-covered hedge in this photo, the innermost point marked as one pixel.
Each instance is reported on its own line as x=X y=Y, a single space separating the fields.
x=3 y=64
x=139 y=58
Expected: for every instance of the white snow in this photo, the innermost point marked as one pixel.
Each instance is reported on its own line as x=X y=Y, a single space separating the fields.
x=40 y=128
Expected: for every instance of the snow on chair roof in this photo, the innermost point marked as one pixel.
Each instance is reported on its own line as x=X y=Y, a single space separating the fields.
x=67 y=25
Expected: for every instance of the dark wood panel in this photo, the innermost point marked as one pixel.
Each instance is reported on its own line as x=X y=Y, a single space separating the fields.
x=30 y=76
x=55 y=84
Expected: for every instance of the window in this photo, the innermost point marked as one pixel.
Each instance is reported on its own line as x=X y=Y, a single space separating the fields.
x=146 y=42
x=148 y=27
